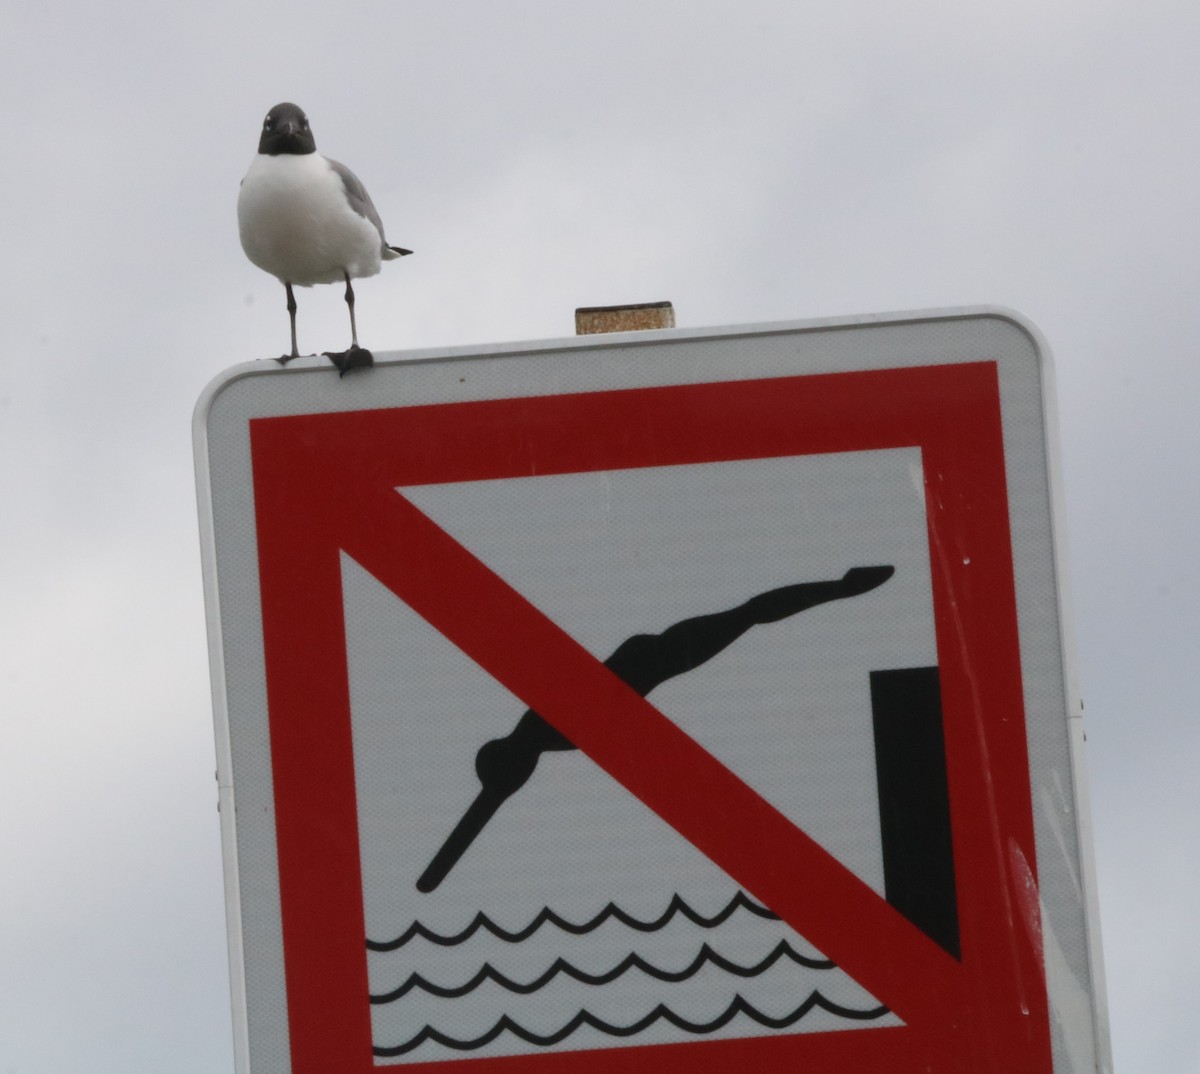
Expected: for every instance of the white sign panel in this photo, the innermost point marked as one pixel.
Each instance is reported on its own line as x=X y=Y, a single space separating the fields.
x=663 y=701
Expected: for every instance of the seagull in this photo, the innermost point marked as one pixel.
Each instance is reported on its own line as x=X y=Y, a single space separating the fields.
x=307 y=219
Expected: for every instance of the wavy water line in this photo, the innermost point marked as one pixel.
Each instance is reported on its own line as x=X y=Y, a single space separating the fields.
x=706 y=956
x=660 y=1013
x=675 y=907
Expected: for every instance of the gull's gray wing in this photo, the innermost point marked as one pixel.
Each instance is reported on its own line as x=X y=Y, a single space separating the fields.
x=359 y=199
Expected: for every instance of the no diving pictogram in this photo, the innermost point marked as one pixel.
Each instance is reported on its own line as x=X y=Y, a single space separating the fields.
x=326 y=483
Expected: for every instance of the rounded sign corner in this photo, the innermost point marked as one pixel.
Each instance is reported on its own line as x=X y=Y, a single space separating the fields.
x=208 y=395
x=1025 y=326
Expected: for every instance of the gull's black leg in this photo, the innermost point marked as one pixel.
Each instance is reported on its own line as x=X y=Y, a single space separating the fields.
x=291 y=308
x=356 y=357
x=350 y=306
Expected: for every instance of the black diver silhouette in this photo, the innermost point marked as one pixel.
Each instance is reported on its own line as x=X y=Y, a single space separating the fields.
x=643 y=662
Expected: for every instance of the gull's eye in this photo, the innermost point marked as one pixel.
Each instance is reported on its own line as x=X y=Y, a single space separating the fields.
x=268 y=123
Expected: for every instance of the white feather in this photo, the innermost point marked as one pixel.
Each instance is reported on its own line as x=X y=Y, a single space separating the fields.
x=296 y=223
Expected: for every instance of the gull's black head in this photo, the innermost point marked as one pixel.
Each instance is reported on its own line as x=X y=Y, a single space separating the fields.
x=285 y=130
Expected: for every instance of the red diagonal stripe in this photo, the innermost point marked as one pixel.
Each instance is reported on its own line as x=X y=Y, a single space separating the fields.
x=684 y=784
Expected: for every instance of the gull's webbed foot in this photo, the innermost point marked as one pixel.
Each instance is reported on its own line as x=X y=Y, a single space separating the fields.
x=355 y=358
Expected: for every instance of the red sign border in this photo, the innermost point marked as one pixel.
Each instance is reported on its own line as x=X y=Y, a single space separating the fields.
x=325 y=482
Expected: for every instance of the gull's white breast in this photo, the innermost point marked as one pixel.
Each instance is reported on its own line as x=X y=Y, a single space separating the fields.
x=296 y=223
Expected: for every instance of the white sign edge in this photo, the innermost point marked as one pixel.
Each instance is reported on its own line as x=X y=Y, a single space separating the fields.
x=226 y=805
x=1077 y=733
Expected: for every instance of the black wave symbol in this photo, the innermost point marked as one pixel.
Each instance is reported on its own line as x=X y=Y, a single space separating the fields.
x=660 y=1013
x=706 y=956
x=676 y=906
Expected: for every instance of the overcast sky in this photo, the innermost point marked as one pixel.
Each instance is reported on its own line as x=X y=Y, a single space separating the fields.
x=752 y=161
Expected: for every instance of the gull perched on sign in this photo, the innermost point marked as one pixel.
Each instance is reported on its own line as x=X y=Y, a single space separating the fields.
x=307 y=219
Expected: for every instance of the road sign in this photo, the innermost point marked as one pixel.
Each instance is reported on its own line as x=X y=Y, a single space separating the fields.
x=686 y=701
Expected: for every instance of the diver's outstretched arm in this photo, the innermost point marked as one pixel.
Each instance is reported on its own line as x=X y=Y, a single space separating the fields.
x=646 y=660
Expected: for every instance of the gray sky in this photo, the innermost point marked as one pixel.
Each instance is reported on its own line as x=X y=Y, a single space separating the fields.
x=764 y=160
